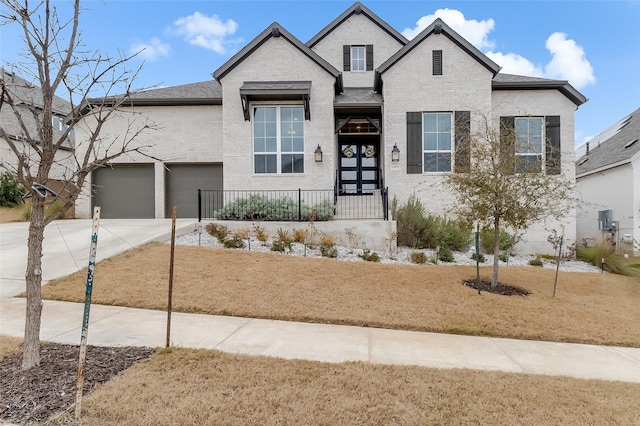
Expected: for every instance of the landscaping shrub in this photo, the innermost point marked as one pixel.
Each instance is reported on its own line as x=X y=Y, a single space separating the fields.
x=260 y=233
x=218 y=231
x=481 y=258
x=535 y=262
x=604 y=250
x=369 y=256
x=328 y=247
x=417 y=230
x=504 y=258
x=299 y=235
x=418 y=257
x=258 y=207
x=445 y=255
x=25 y=209
x=234 y=242
x=507 y=241
x=11 y=191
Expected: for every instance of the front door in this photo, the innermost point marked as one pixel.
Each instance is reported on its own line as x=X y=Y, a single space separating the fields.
x=359 y=166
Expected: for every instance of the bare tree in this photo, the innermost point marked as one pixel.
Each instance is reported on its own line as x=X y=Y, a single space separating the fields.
x=56 y=62
x=509 y=180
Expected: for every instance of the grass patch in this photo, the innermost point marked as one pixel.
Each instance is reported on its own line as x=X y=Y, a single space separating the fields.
x=208 y=387
x=588 y=307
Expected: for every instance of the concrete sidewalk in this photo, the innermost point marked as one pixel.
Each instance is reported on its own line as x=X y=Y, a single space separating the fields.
x=120 y=326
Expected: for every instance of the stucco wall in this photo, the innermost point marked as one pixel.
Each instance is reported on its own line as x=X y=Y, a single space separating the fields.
x=278 y=60
x=606 y=190
x=357 y=30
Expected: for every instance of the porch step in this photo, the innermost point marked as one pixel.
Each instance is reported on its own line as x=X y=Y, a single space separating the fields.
x=365 y=206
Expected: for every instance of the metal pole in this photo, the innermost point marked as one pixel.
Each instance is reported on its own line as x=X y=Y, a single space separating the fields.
x=478 y=255
x=173 y=246
x=93 y=250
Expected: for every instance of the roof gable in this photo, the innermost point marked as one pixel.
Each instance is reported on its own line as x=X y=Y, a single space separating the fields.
x=613 y=146
x=357 y=9
x=276 y=30
x=437 y=27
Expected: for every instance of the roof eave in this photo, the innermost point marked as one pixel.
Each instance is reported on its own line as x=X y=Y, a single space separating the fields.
x=563 y=86
x=439 y=27
x=357 y=8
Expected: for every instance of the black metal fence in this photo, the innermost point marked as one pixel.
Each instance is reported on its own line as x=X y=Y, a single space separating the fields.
x=291 y=205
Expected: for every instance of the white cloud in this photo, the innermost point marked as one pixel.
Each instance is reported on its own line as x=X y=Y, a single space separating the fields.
x=568 y=59
x=151 y=50
x=568 y=62
x=475 y=32
x=513 y=63
x=209 y=32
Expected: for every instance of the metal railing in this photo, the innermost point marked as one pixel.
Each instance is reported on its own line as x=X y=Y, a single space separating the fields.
x=296 y=205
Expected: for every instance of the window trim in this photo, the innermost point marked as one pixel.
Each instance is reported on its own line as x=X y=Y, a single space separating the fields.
x=363 y=59
x=541 y=154
x=451 y=151
x=279 y=152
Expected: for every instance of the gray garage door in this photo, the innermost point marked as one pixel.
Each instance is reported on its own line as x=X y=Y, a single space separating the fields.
x=183 y=182
x=125 y=191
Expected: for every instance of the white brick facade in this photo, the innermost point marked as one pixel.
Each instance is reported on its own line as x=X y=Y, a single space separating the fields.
x=402 y=81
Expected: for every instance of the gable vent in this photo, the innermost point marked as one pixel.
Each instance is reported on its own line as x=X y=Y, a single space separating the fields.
x=629 y=144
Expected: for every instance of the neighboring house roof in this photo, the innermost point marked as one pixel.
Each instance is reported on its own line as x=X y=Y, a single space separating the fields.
x=356 y=9
x=520 y=82
x=25 y=96
x=276 y=30
x=437 y=27
x=613 y=147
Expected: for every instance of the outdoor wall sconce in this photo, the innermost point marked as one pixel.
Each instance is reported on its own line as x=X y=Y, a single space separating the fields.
x=318 y=154
x=395 y=153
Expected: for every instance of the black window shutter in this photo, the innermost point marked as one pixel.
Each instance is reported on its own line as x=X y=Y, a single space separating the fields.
x=552 y=133
x=437 y=62
x=346 y=57
x=369 y=57
x=462 y=142
x=414 y=142
x=507 y=144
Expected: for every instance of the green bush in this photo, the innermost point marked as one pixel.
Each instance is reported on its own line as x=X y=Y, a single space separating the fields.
x=258 y=207
x=445 y=255
x=604 y=250
x=418 y=257
x=507 y=241
x=234 y=242
x=504 y=258
x=481 y=258
x=535 y=262
x=11 y=191
x=369 y=256
x=417 y=230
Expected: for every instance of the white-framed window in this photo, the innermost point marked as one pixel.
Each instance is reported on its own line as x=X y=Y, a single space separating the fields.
x=529 y=144
x=278 y=139
x=358 y=55
x=437 y=141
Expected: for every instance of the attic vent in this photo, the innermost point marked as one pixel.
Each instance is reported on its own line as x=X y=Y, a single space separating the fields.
x=631 y=143
x=583 y=160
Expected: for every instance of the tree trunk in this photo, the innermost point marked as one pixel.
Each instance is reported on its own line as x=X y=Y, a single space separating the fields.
x=33 y=277
x=496 y=252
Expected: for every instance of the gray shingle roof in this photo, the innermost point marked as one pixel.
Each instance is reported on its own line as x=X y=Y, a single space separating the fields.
x=518 y=82
x=356 y=96
x=612 y=146
x=26 y=95
x=205 y=91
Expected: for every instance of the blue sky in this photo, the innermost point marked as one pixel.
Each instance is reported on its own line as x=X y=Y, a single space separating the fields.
x=595 y=45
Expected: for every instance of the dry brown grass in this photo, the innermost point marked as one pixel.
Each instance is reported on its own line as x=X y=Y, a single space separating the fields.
x=9 y=346
x=11 y=214
x=588 y=307
x=197 y=387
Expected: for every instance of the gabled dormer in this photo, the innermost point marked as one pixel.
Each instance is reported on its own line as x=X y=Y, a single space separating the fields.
x=357 y=42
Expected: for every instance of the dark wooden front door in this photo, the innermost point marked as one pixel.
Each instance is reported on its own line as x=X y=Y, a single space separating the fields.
x=359 y=166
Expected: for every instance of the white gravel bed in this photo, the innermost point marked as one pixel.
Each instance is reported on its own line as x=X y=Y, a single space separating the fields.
x=400 y=256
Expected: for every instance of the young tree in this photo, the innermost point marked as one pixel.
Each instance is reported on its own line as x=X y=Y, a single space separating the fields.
x=498 y=187
x=57 y=62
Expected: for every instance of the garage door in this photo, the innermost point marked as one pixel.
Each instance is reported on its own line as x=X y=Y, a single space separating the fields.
x=183 y=182
x=125 y=191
